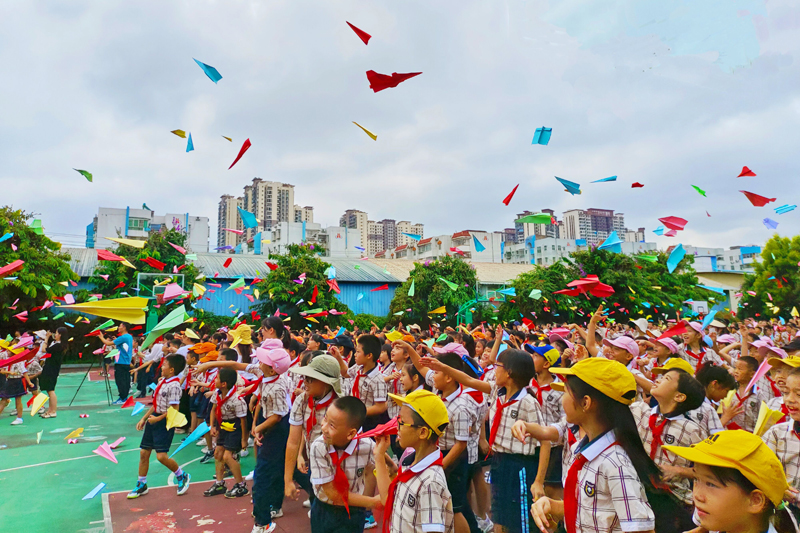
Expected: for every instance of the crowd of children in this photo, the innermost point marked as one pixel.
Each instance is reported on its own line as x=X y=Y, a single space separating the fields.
x=618 y=428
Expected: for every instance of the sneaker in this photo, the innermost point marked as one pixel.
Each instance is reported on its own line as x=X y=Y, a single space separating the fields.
x=208 y=456
x=183 y=483
x=250 y=476
x=118 y=401
x=238 y=490
x=17 y=421
x=250 y=442
x=201 y=442
x=276 y=514
x=244 y=453
x=369 y=522
x=140 y=490
x=307 y=504
x=216 y=488
x=41 y=411
x=485 y=524
x=264 y=529
x=180 y=430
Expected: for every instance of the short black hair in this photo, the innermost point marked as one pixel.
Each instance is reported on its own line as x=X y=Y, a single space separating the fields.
x=751 y=362
x=229 y=354
x=168 y=336
x=192 y=354
x=370 y=345
x=354 y=408
x=176 y=362
x=693 y=390
x=710 y=373
x=175 y=342
x=228 y=376
x=453 y=360
x=519 y=365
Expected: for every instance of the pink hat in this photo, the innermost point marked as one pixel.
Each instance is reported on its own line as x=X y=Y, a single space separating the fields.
x=453 y=347
x=778 y=351
x=557 y=337
x=726 y=339
x=763 y=342
x=697 y=326
x=624 y=342
x=671 y=345
x=272 y=354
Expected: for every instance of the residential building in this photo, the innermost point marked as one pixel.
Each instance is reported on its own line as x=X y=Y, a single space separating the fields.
x=632 y=236
x=734 y=259
x=355 y=219
x=270 y=201
x=549 y=250
x=404 y=226
x=595 y=225
x=138 y=224
x=523 y=230
x=491 y=246
x=374 y=238
x=228 y=217
x=389 y=233
x=337 y=241
x=303 y=214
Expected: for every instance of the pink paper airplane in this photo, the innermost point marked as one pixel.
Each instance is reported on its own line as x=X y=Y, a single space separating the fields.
x=104 y=276
x=72 y=441
x=181 y=249
x=106 y=452
x=116 y=443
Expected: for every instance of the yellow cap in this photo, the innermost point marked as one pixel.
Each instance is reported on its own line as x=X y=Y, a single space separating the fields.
x=242 y=334
x=609 y=377
x=558 y=386
x=427 y=405
x=675 y=363
x=742 y=451
x=792 y=361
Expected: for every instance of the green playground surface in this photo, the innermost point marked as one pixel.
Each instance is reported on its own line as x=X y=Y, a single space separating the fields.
x=43 y=484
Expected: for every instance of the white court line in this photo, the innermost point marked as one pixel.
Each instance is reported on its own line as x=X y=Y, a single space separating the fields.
x=60 y=461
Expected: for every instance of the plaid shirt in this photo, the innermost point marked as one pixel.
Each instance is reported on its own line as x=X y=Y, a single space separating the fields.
x=784 y=441
x=525 y=408
x=776 y=404
x=34 y=366
x=564 y=428
x=481 y=410
x=706 y=416
x=394 y=387
x=611 y=498
x=423 y=504
x=678 y=431
x=765 y=386
x=354 y=466
x=169 y=394
x=707 y=355
x=300 y=413
x=746 y=420
x=233 y=408
x=371 y=387
x=461 y=413
x=552 y=410
x=488 y=374
x=274 y=395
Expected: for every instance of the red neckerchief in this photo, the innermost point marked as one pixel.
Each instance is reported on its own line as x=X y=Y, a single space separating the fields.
x=221 y=401
x=188 y=379
x=658 y=430
x=785 y=411
x=158 y=389
x=486 y=371
x=775 y=390
x=294 y=389
x=402 y=477
x=340 y=482
x=498 y=416
x=571 y=438
x=293 y=363
x=696 y=357
x=475 y=395
x=313 y=408
x=571 y=490
x=356 y=384
x=539 y=390
x=732 y=424
x=267 y=381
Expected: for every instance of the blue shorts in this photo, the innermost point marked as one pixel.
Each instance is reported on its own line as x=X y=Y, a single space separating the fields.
x=507 y=493
x=197 y=403
x=327 y=518
x=157 y=437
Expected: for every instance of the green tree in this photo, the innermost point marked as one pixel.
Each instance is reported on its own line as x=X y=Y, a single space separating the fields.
x=776 y=276
x=279 y=291
x=44 y=269
x=157 y=246
x=544 y=279
x=430 y=292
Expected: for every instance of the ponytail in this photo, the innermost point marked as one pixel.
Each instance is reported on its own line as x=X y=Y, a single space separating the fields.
x=276 y=324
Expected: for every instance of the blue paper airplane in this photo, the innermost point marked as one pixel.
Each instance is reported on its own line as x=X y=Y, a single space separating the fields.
x=6 y=237
x=785 y=209
x=210 y=71
x=478 y=246
x=359 y=248
x=94 y=492
x=190 y=144
x=715 y=289
x=659 y=230
x=770 y=224
x=248 y=218
x=612 y=243
x=612 y=178
x=137 y=408
x=508 y=292
x=542 y=136
x=193 y=437
x=675 y=257
x=412 y=236
x=572 y=187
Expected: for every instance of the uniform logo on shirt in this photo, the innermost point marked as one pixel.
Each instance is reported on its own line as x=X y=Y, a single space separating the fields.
x=360 y=472
x=514 y=414
x=699 y=417
x=588 y=489
x=669 y=439
x=412 y=501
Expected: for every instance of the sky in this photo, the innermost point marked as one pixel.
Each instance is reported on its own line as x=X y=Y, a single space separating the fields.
x=669 y=93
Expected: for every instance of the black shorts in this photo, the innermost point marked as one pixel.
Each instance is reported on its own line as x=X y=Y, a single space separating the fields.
x=458 y=482
x=555 y=466
x=327 y=518
x=231 y=440
x=157 y=437
x=508 y=492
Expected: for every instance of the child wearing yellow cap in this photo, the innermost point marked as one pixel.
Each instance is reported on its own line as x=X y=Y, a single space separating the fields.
x=739 y=484
x=781 y=368
x=784 y=438
x=604 y=489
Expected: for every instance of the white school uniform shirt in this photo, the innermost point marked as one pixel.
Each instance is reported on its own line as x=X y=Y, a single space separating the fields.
x=564 y=431
x=461 y=413
x=184 y=350
x=783 y=440
x=355 y=465
x=706 y=416
x=423 y=504
x=481 y=410
x=154 y=354
x=611 y=498
x=526 y=407
x=751 y=403
x=371 y=387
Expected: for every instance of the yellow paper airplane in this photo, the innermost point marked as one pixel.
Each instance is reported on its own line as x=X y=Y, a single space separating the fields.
x=128 y=242
x=231 y=140
x=130 y=310
x=179 y=133
x=312 y=319
x=128 y=264
x=372 y=135
x=191 y=334
x=766 y=419
x=393 y=336
x=794 y=312
x=227 y=426
x=64 y=283
x=75 y=434
x=438 y=311
x=175 y=419
x=38 y=402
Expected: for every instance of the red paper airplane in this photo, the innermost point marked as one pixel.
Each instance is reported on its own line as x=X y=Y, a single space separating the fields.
x=119 y=286
x=314 y=295
x=636 y=185
x=244 y=148
x=510 y=196
x=333 y=285
x=12 y=267
x=381 y=288
x=456 y=250
x=21 y=357
x=130 y=402
x=671 y=233
x=674 y=222
x=364 y=36
x=105 y=255
x=389 y=428
x=590 y=284
x=746 y=172
x=155 y=263
x=756 y=200
x=272 y=266
x=379 y=82
x=677 y=329
x=227 y=262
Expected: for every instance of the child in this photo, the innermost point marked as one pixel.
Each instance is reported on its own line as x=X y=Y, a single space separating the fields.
x=339 y=462
x=367 y=381
x=322 y=383
x=676 y=394
x=385 y=358
x=745 y=403
x=192 y=360
x=739 y=486
x=781 y=368
x=718 y=382
x=154 y=423
x=227 y=408
x=15 y=385
x=783 y=439
x=604 y=489
x=417 y=500
x=694 y=350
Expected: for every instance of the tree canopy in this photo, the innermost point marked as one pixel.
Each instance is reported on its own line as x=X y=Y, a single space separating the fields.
x=776 y=280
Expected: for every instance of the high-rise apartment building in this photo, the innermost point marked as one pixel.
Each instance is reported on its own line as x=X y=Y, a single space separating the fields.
x=523 y=230
x=595 y=225
x=389 y=233
x=303 y=214
x=270 y=201
x=404 y=226
x=355 y=219
x=374 y=238
x=228 y=217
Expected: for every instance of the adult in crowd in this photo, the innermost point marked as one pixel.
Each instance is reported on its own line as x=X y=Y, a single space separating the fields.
x=51 y=369
x=122 y=368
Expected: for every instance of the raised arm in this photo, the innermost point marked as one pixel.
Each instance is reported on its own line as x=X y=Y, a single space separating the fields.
x=591 y=345
x=458 y=375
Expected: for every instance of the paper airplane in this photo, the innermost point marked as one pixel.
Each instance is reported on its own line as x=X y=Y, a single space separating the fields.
x=412 y=289
x=756 y=200
x=477 y=244
x=365 y=130
x=542 y=136
x=94 y=492
x=412 y=236
x=193 y=437
x=675 y=223
x=535 y=294
x=537 y=218
x=746 y=172
x=245 y=146
x=612 y=178
x=394 y=336
x=571 y=187
x=179 y=133
x=130 y=402
x=364 y=36
x=85 y=174
x=507 y=199
x=38 y=402
x=105 y=451
x=227 y=426
x=508 y=292
x=590 y=284
x=6 y=237
x=450 y=284
x=381 y=288
x=675 y=257
x=116 y=443
x=379 y=82
x=438 y=311
x=770 y=224
x=175 y=419
x=389 y=428
x=785 y=209
x=699 y=190
x=138 y=408
x=228 y=138
x=190 y=144
x=39 y=437
x=128 y=242
x=210 y=71
x=130 y=310
x=74 y=434
x=613 y=243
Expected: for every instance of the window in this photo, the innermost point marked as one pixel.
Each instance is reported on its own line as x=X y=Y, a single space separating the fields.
x=138 y=224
